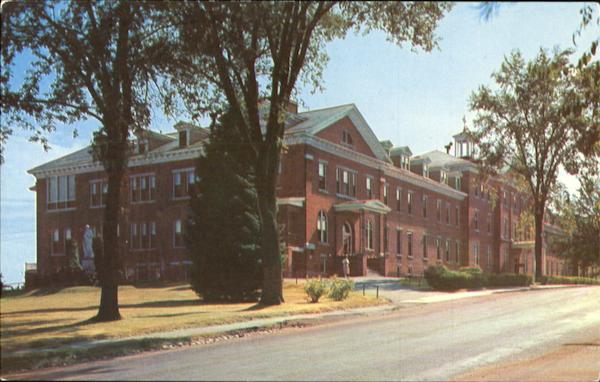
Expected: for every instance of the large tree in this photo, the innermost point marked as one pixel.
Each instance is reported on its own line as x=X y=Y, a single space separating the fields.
x=540 y=116
x=223 y=233
x=88 y=60
x=247 y=52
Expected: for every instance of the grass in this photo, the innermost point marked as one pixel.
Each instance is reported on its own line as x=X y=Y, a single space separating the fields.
x=416 y=283
x=54 y=317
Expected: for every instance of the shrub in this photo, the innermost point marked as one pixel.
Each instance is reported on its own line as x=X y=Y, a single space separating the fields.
x=442 y=278
x=569 y=280
x=340 y=289
x=315 y=289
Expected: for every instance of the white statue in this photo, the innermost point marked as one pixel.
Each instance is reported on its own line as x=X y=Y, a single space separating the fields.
x=88 y=236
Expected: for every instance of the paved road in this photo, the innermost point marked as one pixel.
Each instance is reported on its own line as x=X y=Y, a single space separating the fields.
x=423 y=342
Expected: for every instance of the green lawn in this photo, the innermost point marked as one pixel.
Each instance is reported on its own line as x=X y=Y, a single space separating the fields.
x=53 y=317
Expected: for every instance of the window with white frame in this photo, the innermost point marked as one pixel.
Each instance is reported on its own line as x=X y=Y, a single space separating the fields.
x=424 y=205
x=457 y=252
x=444 y=177
x=347 y=138
x=142 y=188
x=398 y=199
x=385 y=194
x=489 y=258
x=345 y=182
x=98 y=193
x=409 y=202
x=398 y=241
x=409 y=244
x=322 y=176
x=457 y=214
x=56 y=247
x=476 y=220
x=438 y=210
x=447 y=251
x=142 y=235
x=322 y=226
x=425 y=170
x=476 y=252
x=369 y=186
x=489 y=223
x=424 y=242
x=60 y=192
x=183 y=179
x=447 y=213
x=178 y=234
x=457 y=183
x=438 y=249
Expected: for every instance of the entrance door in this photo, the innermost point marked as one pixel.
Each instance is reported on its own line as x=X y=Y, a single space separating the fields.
x=347 y=239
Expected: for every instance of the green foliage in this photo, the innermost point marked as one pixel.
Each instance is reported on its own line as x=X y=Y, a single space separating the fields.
x=441 y=278
x=223 y=234
x=316 y=288
x=546 y=280
x=339 y=289
x=72 y=253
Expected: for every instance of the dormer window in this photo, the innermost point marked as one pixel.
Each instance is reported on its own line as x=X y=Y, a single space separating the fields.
x=183 y=138
x=141 y=146
x=405 y=162
x=443 y=177
x=346 y=138
x=457 y=183
x=425 y=170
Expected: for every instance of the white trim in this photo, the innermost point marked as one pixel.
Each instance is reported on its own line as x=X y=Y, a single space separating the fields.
x=309 y=157
x=292 y=201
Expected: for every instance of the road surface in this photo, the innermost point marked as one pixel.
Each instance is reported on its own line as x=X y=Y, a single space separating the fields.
x=420 y=342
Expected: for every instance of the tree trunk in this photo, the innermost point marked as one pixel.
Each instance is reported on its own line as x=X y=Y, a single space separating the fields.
x=109 y=300
x=539 y=225
x=272 y=289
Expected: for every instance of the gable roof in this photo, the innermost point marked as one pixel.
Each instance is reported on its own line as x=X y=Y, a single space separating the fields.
x=315 y=121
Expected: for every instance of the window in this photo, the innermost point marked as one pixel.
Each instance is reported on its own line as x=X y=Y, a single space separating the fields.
x=55 y=244
x=447 y=251
x=142 y=188
x=322 y=227
x=457 y=216
x=457 y=183
x=504 y=199
x=177 y=234
x=447 y=213
x=399 y=241
x=489 y=223
x=385 y=194
x=322 y=176
x=438 y=210
x=98 y=193
x=457 y=252
x=488 y=261
x=405 y=162
x=505 y=259
x=425 y=206
x=369 y=234
x=438 y=252
x=424 y=247
x=425 y=170
x=183 y=180
x=385 y=237
x=476 y=221
x=409 y=202
x=476 y=252
x=409 y=243
x=345 y=182
x=346 y=138
x=369 y=186
x=142 y=235
x=514 y=237
x=60 y=192
x=443 y=177
x=505 y=233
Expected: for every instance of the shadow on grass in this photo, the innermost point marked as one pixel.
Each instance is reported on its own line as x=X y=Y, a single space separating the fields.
x=46 y=329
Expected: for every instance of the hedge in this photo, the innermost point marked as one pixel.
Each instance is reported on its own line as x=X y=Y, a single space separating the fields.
x=545 y=280
x=442 y=278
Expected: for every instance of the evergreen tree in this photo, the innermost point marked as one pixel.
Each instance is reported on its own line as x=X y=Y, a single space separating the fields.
x=223 y=232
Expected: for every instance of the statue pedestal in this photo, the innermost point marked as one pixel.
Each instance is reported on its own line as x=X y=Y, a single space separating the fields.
x=88 y=265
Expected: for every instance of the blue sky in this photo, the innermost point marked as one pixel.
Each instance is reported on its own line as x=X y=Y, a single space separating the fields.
x=414 y=99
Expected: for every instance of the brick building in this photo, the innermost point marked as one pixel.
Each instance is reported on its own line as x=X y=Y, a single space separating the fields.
x=340 y=192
